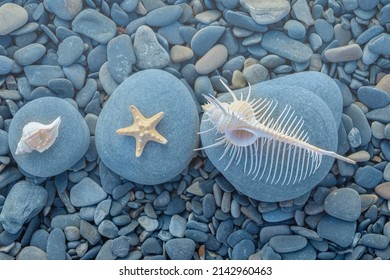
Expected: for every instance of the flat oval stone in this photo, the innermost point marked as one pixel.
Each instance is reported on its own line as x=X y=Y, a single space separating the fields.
x=70 y=49
x=56 y=248
x=29 y=54
x=276 y=42
x=121 y=57
x=86 y=192
x=324 y=29
x=164 y=16
x=40 y=75
x=6 y=65
x=64 y=9
x=32 y=253
x=373 y=97
x=266 y=12
x=360 y=122
x=24 y=201
x=180 y=248
x=287 y=243
x=380 y=44
x=285 y=93
x=94 y=25
x=376 y=241
x=368 y=177
x=295 y=29
x=243 y=20
x=212 y=60
x=338 y=231
x=370 y=33
x=181 y=53
x=383 y=190
x=243 y=250
x=149 y=53
x=12 y=16
x=344 y=53
x=208 y=16
x=335 y=205
x=118 y=151
x=302 y=12
x=58 y=157
x=205 y=38
x=4 y=149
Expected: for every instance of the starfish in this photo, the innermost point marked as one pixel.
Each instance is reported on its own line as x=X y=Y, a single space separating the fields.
x=143 y=130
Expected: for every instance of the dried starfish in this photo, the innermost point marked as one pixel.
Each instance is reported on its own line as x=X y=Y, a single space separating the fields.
x=143 y=130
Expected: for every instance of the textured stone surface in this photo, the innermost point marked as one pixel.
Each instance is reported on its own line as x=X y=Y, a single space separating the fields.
x=268 y=11
x=12 y=16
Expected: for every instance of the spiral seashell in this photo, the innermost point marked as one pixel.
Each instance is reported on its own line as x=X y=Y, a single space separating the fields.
x=276 y=150
x=38 y=137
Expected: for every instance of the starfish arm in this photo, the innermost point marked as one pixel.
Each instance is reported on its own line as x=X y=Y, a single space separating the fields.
x=154 y=120
x=139 y=146
x=129 y=131
x=157 y=137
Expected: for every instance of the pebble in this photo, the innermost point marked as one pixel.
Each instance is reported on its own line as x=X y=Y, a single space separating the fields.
x=4 y=149
x=208 y=16
x=69 y=50
x=94 y=25
x=212 y=60
x=383 y=190
x=151 y=246
x=180 y=248
x=373 y=97
x=6 y=65
x=370 y=33
x=87 y=192
x=177 y=226
x=255 y=73
x=287 y=243
x=266 y=12
x=102 y=210
x=72 y=233
x=379 y=44
x=56 y=248
x=181 y=53
x=108 y=229
x=368 y=177
x=376 y=241
x=302 y=12
x=29 y=54
x=12 y=16
x=240 y=19
x=147 y=223
x=209 y=206
x=121 y=246
x=64 y=9
x=40 y=75
x=39 y=239
x=149 y=53
x=107 y=81
x=32 y=253
x=380 y=115
x=335 y=205
x=354 y=138
x=307 y=253
x=89 y=232
x=162 y=199
x=360 y=122
x=164 y=16
x=384 y=84
x=204 y=39
x=324 y=29
x=338 y=231
x=275 y=42
x=295 y=29
x=243 y=250
x=24 y=201
x=345 y=53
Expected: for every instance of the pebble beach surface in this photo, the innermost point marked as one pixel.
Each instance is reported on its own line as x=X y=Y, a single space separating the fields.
x=89 y=196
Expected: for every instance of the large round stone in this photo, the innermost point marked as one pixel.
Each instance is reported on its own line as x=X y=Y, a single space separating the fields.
x=70 y=145
x=319 y=123
x=151 y=92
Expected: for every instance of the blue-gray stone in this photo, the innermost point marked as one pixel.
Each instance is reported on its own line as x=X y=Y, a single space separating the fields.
x=89 y=232
x=121 y=246
x=243 y=250
x=58 y=157
x=360 y=122
x=147 y=223
x=97 y=57
x=86 y=192
x=24 y=201
x=287 y=243
x=295 y=29
x=108 y=229
x=107 y=81
x=151 y=246
x=224 y=229
x=118 y=151
x=370 y=33
x=266 y=12
x=350 y=52
x=209 y=206
x=85 y=95
x=212 y=60
x=384 y=14
x=380 y=44
x=72 y=233
x=196 y=235
x=205 y=38
x=368 y=4
x=129 y=5
x=237 y=236
x=335 y=205
x=376 y=241
x=338 y=231
x=32 y=253
x=354 y=138
x=63 y=88
x=63 y=221
x=76 y=73
x=170 y=34
x=243 y=20
x=373 y=97
x=208 y=16
x=307 y=253
x=380 y=115
x=40 y=75
x=121 y=57
x=162 y=199
x=255 y=73
x=177 y=226
x=276 y=42
x=102 y=210
x=64 y=9
x=105 y=252
x=368 y=177
x=164 y=16
x=12 y=16
x=39 y=239
x=6 y=65
x=286 y=94
x=29 y=54
x=302 y=12
x=180 y=248
x=4 y=149
x=94 y=25
x=56 y=247
x=69 y=50
x=120 y=17
x=324 y=29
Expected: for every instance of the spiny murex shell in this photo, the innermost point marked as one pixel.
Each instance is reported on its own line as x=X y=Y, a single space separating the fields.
x=38 y=137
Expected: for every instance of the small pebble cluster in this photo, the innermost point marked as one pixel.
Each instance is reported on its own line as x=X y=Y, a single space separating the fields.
x=78 y=53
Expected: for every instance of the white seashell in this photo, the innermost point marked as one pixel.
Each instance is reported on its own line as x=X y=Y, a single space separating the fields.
x=37 y=137
x=275 y=149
